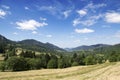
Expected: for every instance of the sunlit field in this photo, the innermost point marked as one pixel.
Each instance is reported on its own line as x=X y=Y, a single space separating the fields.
x=106 y=71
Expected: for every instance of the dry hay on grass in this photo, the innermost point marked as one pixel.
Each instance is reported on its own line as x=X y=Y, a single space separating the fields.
x=107 y=71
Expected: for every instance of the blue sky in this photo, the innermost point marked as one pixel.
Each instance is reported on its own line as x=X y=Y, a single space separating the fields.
x=65 y=23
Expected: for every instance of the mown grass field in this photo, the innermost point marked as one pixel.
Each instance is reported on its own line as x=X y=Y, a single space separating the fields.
x=106 y=71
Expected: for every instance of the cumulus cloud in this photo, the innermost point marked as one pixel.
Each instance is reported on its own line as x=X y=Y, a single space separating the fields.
x=85 y=30
x=30 y=24
x=66 y=13
x=82 y=12
x=2 y=13
x=49 y=36
x=112 y=17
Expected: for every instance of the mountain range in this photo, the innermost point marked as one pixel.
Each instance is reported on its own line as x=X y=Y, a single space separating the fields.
x=35 y=45
x=85 y=47
x=31 y=44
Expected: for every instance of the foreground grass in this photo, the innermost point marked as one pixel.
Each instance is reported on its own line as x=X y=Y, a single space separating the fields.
x=107 y=71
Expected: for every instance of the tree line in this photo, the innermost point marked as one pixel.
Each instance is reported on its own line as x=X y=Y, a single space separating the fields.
x=29 y=60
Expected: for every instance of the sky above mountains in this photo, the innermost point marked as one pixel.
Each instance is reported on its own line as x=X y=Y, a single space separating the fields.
x=65 y=23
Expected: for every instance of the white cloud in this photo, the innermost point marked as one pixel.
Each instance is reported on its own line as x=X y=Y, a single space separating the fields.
x=5 y=6
x=76 y=22
x=96 y=17
x=34 y=32
x=15 y=33
x=50 y=9
x=49 y=36
x=66 y=13
x=92 y=6
x=2 y=13
x=85 y=30
x=30 y=24
x=26 y=8
x=82 y=12
x=43 y=19
x=88 y=12
x=112 y=17
x=84 y=22
x=87 y=22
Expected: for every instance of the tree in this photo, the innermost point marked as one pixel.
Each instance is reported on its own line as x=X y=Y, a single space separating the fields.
x=17 y=64
x=61 y=63
x=113 y=57
x=89 y=60
x=2 y=66
x=75 y=64
x=12 y=52
x=74 y=57
x=52 y=63
x=2 y=48
x=27 y=54
x=47 y=57
x=35 y=63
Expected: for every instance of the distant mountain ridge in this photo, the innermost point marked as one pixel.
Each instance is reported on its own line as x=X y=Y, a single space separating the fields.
x=4 y=40
x=31 y=44
x=85 y=47
x=35 y=45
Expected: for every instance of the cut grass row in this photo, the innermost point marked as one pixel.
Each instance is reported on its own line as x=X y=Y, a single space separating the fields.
x=79 y=73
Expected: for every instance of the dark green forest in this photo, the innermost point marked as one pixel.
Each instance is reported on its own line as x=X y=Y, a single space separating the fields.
x=51 y=56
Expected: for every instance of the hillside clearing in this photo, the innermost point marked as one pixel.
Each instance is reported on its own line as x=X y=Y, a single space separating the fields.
x=107 y=71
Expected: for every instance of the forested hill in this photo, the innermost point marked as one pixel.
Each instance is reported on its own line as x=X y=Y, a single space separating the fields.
x=4 y=40
x=31 y=44
x=38 y=46
x=86 y=47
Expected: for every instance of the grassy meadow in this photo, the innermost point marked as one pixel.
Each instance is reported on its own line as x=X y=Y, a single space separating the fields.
x=106 y=71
